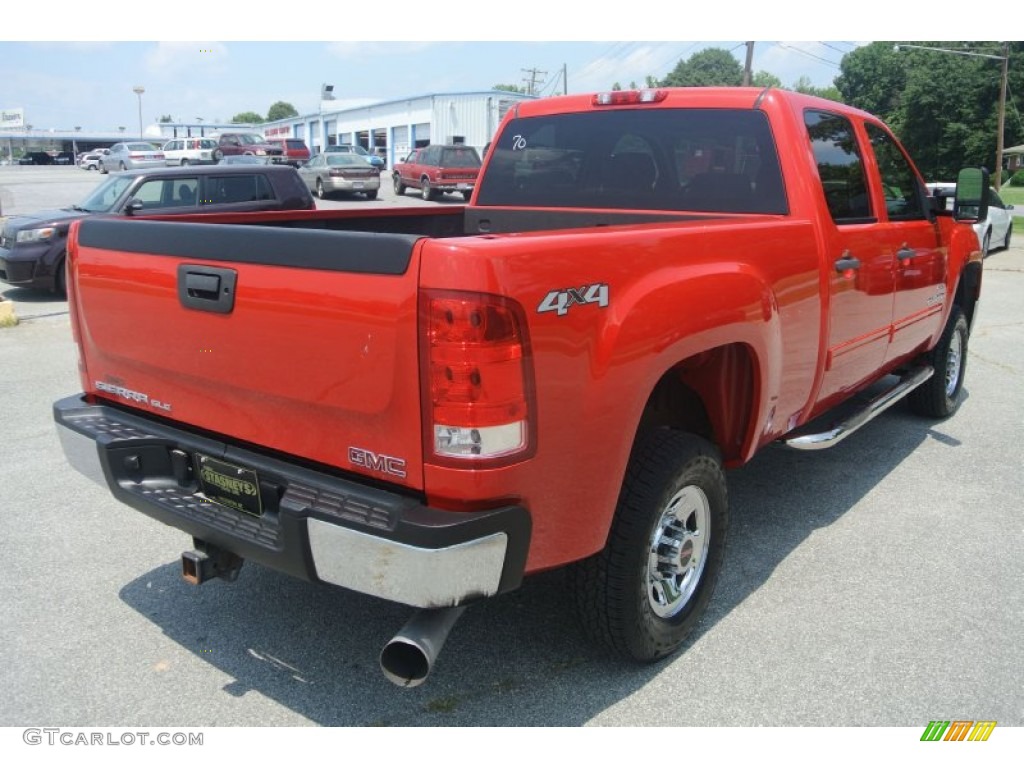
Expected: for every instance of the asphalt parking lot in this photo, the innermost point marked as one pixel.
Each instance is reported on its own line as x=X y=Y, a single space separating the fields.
x=875 y=584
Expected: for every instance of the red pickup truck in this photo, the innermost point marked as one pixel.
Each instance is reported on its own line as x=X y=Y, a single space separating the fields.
x=427 y=405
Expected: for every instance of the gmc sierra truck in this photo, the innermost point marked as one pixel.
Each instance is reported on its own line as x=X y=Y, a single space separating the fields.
x=426 y=405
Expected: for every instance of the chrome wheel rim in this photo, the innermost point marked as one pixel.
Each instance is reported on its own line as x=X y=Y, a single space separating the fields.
x=953 y=362
x=678 y=551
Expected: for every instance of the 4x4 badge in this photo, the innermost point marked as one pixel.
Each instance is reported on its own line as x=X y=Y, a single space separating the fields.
x=560 y=301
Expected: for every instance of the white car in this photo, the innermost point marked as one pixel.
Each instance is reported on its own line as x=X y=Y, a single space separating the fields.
x=996 y=229
x=193 y=150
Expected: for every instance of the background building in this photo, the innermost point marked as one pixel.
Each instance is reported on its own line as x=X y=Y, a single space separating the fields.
x=393 y=128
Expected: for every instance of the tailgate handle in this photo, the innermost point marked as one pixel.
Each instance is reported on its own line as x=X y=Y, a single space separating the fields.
x=209 y=289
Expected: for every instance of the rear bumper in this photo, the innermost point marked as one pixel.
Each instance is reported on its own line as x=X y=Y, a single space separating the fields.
x=315 y=525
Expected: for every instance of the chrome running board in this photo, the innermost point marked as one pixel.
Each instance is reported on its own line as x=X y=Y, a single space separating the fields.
x=820 y=440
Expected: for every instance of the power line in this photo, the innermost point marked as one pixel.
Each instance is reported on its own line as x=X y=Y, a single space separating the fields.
x=837 y=50
x=808 y=55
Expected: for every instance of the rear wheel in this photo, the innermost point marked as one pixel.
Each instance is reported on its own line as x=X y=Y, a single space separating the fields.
x=939 y=397
x=121 y=166
x=985 y=244
x=217 y=155
x=184 y=161
x=371 y=194
x=1009 y=232
x=103 y=168
x=399 y=186
x=320 y=191
x=425 y=191
x=647 y=589
x=466 y=195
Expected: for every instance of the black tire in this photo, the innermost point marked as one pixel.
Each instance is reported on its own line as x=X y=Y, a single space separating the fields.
x=1009 y=232
x=103 y=168
x=371 y=194
x=399 y=186
x=466 y=195
x=217 y=155
x=939 y=397
x=320 y=191
x=674 y=502
x=985 y=243
x=425 y=191
x=185 y=162
x=121 y=166
x=60 y=278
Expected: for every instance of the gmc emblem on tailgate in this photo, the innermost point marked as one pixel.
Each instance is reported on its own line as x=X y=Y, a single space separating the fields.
x=387 y=465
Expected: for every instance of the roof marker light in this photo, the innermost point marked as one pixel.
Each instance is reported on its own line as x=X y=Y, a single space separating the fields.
x=616 y=98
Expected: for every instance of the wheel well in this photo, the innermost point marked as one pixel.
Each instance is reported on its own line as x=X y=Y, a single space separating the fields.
x=711 y=394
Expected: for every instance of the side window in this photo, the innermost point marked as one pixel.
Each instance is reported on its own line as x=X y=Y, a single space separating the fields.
x=903 y=200
x=239 y=188
x=840 y=166
x=167 y=193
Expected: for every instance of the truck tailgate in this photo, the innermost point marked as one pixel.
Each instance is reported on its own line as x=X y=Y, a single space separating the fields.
x=257 y=333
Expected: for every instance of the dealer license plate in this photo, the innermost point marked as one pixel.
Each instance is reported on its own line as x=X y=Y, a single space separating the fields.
x=232 y=486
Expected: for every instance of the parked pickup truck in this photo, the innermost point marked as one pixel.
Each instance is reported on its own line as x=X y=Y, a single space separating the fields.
x=428 y=404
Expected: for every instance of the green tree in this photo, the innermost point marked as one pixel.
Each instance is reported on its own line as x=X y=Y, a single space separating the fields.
x=509 y=88
x=280 y=110
x=712 y=66
x=165 y=119
x=247 y=117
x=942 y=106
x=764 y=79
x=803 y=85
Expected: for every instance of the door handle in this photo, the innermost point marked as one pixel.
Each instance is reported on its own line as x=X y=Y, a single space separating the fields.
x=208 y=289
x=905 y=253
x=847 y=262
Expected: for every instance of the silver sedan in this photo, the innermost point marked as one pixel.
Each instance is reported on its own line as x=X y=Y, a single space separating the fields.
x=129 y=155
x=333 y=172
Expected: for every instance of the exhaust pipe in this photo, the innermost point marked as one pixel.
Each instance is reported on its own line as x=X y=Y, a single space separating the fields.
x=410 y=655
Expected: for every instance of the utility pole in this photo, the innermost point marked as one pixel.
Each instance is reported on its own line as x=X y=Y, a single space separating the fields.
x=565 y=80
x=748 y=75
x=1002 y=118
x=531 y=81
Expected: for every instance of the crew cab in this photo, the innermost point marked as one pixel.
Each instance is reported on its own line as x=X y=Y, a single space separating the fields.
x=428 y=405
x=437 y=169
x=33 y=247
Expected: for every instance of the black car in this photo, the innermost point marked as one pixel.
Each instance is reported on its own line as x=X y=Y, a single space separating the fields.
x=32 y=246
x=36 y=158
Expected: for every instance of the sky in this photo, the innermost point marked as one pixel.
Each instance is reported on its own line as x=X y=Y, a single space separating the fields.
x=62 y=85
x=63 y=82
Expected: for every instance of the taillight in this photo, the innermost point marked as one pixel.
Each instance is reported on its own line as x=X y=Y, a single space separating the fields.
x=477 y=380
x=615 y=98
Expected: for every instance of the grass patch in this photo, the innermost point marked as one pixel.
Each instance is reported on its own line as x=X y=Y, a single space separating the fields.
x=1014 y=196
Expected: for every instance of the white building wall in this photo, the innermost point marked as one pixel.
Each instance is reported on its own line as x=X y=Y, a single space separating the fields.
x=402 y=123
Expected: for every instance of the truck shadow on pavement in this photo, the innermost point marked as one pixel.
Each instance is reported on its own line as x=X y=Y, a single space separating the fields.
x=516 y=660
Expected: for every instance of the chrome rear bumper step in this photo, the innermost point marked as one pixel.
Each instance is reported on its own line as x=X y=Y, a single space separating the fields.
x=817 y=441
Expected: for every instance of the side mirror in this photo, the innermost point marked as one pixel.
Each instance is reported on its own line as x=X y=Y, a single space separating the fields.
x=971 y=195
x=133 y=205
